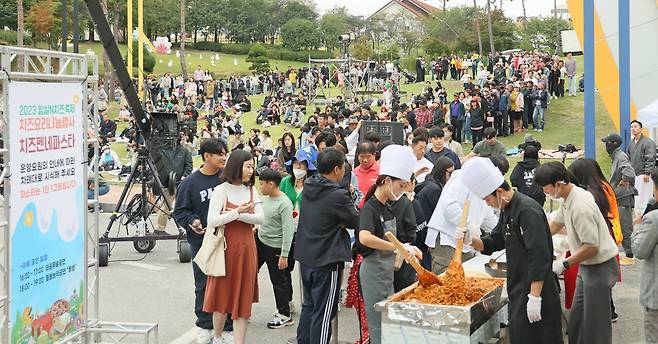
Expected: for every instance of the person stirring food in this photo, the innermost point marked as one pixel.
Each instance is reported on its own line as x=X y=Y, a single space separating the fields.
x=376 y=273
x=523 y=231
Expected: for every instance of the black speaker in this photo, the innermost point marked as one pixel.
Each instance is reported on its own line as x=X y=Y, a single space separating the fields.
x=388 y=131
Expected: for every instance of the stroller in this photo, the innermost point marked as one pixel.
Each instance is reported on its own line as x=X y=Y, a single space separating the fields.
x=409 y=77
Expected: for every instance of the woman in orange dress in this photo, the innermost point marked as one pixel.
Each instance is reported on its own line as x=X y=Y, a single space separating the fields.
x=235 y=205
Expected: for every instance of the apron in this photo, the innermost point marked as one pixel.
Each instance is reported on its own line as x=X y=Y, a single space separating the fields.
x=549 y=329
x=376 y=280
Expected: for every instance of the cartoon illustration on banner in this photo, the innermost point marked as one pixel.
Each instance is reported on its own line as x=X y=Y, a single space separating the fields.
x=48 y=205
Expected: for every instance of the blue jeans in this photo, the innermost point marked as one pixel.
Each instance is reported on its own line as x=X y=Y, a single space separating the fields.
x=538 y=117
x=466 y=129
x=573 y=84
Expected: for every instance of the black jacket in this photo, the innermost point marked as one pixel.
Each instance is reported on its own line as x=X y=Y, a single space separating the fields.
x=326 y=210
x=477 y=117
x=522 y=178
x=428 y=196
x=523 y=231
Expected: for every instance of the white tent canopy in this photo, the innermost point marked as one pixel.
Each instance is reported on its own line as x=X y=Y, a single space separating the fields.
x=649 y=115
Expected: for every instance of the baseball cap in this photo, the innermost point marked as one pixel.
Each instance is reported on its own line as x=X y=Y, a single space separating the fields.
x=612 y=138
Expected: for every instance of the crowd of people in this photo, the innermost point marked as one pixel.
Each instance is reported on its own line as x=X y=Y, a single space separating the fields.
x=327 y=196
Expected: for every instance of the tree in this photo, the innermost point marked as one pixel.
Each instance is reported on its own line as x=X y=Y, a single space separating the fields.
x=453 y=31
x=260 y=64
x=247 y=24
x=544 y=33
x=41 y=19
x=300 y=34
x=477 y=25
x=296 y=9
x=332 y=26
x=362 y=48
x=505 y=31
x=491 y=36
x=408 y=40
x=558 y=42
x=20 y=21
x=161 y=17
x=525 y=17
x=183 y=65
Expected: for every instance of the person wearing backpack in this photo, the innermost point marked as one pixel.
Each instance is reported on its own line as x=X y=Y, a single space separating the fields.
x=522 y=176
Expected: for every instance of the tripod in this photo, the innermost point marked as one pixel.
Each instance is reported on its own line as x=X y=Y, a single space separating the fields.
x=135 y=213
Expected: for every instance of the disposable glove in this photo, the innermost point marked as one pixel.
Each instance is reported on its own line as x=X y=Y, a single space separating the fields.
x=463 y=233
x=558 y=266
x=413 y=251
x=534 y=308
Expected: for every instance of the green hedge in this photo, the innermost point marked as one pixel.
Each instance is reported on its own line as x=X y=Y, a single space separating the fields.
x=274 y=52
x=9 y=37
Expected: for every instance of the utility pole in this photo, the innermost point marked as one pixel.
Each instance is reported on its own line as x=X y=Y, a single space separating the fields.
x=65 y=29
x=490 y=26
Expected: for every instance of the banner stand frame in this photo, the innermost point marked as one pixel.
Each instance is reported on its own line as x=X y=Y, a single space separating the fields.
x=36 y=65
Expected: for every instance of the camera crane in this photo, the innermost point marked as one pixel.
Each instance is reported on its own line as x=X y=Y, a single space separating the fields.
x=138 y=209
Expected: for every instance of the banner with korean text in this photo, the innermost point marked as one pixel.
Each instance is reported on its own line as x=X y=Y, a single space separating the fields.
x=46 y=216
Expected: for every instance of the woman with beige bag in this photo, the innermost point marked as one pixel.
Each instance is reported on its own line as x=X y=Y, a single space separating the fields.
x=235 y=205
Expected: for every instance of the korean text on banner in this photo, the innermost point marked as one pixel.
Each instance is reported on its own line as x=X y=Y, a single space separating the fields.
x=48 y=205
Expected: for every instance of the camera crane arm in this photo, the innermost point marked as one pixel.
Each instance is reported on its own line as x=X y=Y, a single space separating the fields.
x=112 y=49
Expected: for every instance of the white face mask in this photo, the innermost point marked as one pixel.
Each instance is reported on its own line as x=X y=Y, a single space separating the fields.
x=299 y=173
x=395 y=197
x=554 y=197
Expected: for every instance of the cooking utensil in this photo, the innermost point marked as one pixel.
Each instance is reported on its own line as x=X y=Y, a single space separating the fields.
x=425 y=278
x=493 y=262
x=499 y=272
x=455 y=271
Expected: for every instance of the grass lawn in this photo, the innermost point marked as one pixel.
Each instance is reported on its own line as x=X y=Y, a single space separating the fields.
x=564 y=123
x=222 y=64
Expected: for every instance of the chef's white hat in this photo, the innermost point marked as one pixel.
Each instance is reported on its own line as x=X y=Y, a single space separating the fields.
x=397 y=161
x=481 y=176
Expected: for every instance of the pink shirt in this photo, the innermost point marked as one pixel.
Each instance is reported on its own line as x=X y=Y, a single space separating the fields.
x=366 y=178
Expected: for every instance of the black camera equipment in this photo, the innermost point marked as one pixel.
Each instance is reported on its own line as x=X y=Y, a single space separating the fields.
x=534 y=143
x=347 y=37
x=568 y=148
x=133 y=210
x=148 y=190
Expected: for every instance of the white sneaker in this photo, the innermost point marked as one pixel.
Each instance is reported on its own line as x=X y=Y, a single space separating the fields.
x=226 y=338
x=280 y=321
x=203 y=336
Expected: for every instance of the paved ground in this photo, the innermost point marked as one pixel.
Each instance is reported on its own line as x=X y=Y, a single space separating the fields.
x=159 y=289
